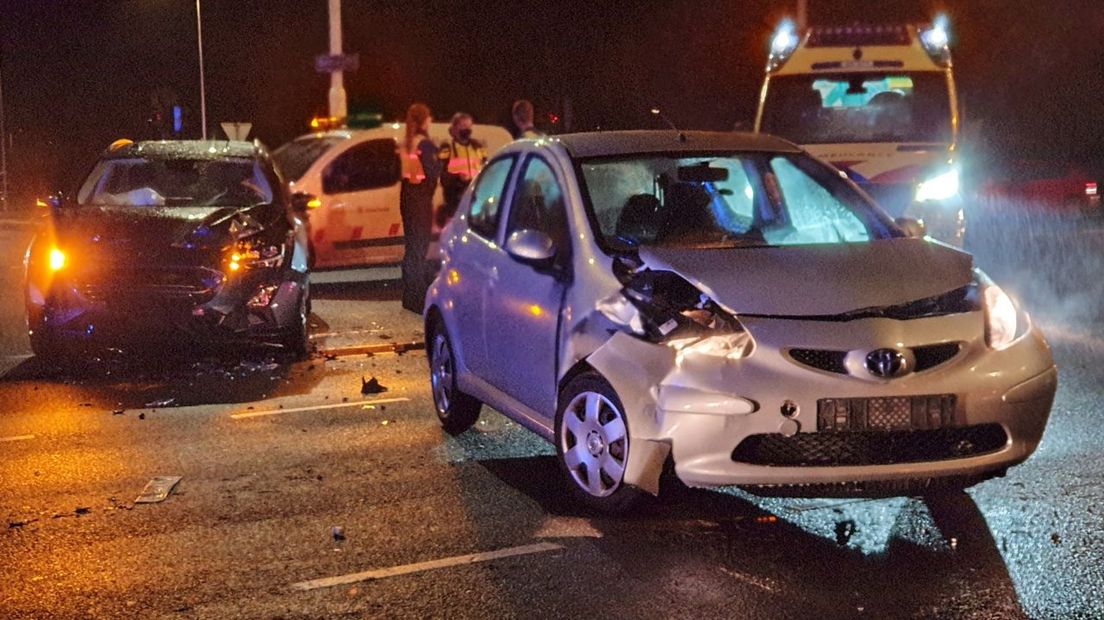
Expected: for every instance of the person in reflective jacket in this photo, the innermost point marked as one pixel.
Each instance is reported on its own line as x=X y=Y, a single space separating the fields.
x=462 y=158
x=420 y=171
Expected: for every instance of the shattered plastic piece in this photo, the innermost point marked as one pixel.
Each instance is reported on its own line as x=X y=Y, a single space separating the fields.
x=384 y=337
x=118 y=412
x=844 y=531
x=168 y=402
x=18 y=524
x=331 y=357
x=82 y=510
x=371 y=386
x=157 y=489
x=338 y=533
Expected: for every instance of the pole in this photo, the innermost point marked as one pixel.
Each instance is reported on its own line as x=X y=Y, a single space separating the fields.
x=337 y=78
x=802 y=15
x=202 y=86
x=3 y=145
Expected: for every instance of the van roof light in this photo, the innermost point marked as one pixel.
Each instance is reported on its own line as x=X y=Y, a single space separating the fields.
x=783 y=44
x=936 y=40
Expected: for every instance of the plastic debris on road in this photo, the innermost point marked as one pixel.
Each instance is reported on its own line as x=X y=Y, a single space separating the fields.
x=168 y=402
x=157 y=489
x=371 y=386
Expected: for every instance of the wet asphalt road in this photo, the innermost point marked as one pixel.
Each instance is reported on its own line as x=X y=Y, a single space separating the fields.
x=273 y=456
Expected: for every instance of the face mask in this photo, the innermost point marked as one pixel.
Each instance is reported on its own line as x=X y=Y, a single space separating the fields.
x=465 y=134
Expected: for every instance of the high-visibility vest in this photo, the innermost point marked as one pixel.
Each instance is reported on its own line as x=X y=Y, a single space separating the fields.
x=463 y=158
x=412 y=169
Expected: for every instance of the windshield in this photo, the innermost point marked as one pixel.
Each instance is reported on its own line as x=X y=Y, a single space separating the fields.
x=141 y=182
x=859 y=107
x=727 y=200
x=296 y=157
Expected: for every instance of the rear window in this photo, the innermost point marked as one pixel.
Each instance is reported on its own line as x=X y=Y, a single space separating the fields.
x=297 y=156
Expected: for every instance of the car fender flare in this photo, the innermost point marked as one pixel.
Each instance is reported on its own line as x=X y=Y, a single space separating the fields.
x=635 y=369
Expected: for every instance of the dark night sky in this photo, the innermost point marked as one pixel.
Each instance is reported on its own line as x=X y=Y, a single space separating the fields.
x=80 y=73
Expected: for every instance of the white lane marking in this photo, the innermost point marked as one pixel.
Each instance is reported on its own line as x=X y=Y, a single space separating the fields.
x=405 y=569
x=359 y=403
x=763 y=584
x=17 y=438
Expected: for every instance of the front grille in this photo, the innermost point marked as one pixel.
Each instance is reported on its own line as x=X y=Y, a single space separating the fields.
x=932 y=355
x=886 y=413
x=195 y=285
x=827 y=449
x=821 y=359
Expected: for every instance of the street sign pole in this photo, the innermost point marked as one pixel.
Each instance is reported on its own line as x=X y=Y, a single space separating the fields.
x=337 y=78
x=202 y=86
x=3 y=145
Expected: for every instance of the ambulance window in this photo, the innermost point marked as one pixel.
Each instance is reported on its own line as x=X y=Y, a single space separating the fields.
x=486 y=201
x=370 y=165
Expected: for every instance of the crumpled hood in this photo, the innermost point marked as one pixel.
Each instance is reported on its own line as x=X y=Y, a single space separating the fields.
x=150 y=228
x=818 y=280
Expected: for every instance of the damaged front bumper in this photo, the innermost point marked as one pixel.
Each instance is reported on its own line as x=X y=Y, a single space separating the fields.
x=161 y=304
x=775 y=417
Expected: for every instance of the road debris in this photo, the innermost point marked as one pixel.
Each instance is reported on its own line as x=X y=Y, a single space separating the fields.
x=142 y=416
x=371 y=386
x=157 y=489
x=338 y=533
x=168 y=402
x=118 y=412
x=12 y=525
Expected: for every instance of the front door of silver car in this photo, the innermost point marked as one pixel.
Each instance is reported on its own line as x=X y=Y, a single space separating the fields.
x=475 y=267
x=524 y=299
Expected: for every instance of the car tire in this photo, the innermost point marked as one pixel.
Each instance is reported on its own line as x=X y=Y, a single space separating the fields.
x=297 y=339
x=592 y=444
x=456 y=410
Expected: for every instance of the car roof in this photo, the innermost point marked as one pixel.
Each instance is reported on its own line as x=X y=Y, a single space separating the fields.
x=185 y=149
x=614 y=143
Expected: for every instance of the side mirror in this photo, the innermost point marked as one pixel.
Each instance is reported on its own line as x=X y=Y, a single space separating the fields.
x=531 y=247
x=301 y=202
x=913 y=228
x=56 y=200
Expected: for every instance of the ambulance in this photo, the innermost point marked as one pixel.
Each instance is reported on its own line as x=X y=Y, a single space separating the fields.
x=879 y=103
x=347 y=181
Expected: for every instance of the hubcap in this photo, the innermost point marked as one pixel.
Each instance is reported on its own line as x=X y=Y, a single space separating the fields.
x=594 y=443
x=440 y=374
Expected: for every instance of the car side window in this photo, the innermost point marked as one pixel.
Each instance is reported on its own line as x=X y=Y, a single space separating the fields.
x=370 y=165
x=539 y=203
x=486 y=202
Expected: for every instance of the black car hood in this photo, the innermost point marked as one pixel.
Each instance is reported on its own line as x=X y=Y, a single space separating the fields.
x=147 y=228
x=818 y=280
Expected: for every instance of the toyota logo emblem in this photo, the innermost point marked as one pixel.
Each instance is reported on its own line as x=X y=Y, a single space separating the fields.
x=887 y=363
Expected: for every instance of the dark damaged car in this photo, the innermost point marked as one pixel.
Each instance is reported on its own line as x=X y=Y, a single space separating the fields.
x=186 y=242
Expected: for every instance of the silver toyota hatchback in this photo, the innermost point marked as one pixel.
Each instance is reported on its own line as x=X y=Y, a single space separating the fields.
x=726 y=307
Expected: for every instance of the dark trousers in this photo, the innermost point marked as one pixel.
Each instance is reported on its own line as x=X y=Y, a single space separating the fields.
x=416 y=209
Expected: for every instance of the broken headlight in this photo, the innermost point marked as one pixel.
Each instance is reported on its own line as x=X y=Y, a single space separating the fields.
x=661 y=306
x=252 y=248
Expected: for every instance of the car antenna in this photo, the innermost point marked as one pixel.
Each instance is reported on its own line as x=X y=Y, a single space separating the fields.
x=663 y=117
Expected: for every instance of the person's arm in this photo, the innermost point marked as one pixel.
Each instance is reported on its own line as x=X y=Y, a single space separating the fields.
x=427 y=152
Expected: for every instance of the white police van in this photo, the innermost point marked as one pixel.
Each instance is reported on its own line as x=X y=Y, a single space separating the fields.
x=348 y=180
x=879 y=103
